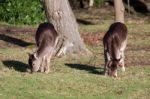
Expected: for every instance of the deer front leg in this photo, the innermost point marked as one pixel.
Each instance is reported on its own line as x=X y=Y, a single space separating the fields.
x=122 y=61
x=48 y=58
x=46 y=68
x=41 y=69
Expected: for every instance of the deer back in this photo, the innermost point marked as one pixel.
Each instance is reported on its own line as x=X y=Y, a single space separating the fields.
x=46 y=36
x=114 y=38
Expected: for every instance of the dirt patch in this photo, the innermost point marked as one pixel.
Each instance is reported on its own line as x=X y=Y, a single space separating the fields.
x=10 y=29
x=93 y=39
x=138 y=48
x=18 y=37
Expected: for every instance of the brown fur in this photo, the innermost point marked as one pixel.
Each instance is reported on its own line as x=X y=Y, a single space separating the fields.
x=46 y=39
x=114 y=45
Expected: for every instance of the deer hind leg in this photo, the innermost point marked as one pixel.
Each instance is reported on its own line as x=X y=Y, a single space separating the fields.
x=105 y=67
x=107 y=59
x=124 y=44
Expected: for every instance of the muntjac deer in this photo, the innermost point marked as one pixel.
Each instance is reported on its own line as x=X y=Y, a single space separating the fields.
x=46 y=39
x=115 y=41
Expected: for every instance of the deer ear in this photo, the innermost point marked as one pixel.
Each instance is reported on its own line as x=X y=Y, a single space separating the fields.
x=35 y=56
x=119 y=60
x=29 y=54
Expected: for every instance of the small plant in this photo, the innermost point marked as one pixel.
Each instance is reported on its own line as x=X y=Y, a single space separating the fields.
x=99 y=2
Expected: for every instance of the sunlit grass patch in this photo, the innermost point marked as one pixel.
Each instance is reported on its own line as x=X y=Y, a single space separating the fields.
x=76 y=77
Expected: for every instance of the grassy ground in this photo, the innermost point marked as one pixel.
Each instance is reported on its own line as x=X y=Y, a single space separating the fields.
x=81 y=77
x=76 y=77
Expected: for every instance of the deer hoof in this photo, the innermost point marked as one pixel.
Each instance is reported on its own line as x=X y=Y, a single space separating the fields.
x=123 y=68
x=46 y=70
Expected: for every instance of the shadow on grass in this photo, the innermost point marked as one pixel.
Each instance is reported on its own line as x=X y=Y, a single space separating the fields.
x=13 y=40
x=81 y=21
x=18 y=66
x=90 y=69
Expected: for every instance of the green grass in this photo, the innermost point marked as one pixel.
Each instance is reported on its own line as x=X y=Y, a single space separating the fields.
x=76 y=77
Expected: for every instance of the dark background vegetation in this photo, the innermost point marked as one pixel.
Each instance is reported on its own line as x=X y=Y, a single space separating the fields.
x=30 y=12
x=21 y=11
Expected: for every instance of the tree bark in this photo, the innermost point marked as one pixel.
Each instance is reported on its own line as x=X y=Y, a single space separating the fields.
x=59 y=13
x=91 y=3
x=128 y=7
x=119 y=11
x=84 y=3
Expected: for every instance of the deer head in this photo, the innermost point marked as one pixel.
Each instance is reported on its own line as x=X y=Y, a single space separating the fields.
x=34 y=62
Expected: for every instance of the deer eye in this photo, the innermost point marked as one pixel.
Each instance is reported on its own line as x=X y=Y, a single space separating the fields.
x=33 y=64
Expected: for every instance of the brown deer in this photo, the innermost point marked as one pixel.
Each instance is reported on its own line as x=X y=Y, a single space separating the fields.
x=46 y=39
x=114 y=41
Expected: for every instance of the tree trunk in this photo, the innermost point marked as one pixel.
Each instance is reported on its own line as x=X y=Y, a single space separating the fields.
x=91 y=3
x=59 y=13
x=128 y=7
x=84 y=3
x=119 y=11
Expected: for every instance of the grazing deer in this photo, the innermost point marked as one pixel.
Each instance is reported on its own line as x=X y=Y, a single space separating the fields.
x=46 y=40
x=115 y=41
